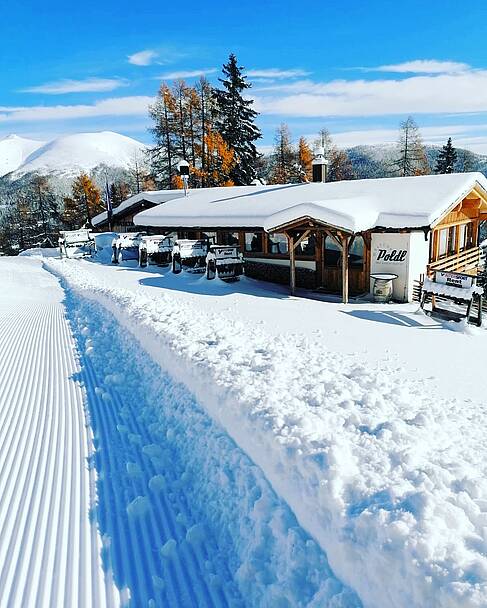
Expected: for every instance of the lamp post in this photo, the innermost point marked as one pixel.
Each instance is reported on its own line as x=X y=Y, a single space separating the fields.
x=183 y=168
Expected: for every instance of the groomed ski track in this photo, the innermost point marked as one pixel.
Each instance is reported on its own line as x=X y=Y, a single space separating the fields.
x=49 y=550
x=116 y=488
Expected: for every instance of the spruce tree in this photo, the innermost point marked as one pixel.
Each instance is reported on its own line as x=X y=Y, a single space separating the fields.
x=446 y=158
x=235 y=121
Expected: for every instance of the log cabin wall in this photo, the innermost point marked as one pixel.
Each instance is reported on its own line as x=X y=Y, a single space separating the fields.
x=457 y=231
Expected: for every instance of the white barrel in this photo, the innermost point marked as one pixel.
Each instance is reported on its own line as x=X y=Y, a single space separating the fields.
x=382 y=290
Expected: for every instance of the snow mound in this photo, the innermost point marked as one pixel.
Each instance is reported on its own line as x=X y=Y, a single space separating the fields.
x=41 y=252
x=14 y=150
x=71 y=154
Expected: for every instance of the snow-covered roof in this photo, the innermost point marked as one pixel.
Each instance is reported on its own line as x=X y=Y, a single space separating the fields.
x=156 y=197
x=152 y=196
x=397 y=202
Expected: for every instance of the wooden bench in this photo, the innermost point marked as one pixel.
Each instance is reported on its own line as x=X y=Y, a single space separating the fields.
x=452 y=288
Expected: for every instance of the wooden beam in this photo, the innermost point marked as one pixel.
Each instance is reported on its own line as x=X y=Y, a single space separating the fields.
x=333 y=236
x=301 y=238
x=344 y=245
x=292 y=263
x=319 y=253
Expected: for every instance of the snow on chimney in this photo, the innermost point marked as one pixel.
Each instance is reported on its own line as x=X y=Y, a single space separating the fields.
x=320 y=165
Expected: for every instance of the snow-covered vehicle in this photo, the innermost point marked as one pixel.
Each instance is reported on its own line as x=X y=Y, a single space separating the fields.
x=155 y=249
x=76 y=243
x=126 y=246
x=189 y=255
x=224 y=261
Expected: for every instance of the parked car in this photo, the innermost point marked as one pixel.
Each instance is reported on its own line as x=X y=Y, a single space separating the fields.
x=126 y=246
x=156 y=249
x=76 y=243
x=224 y=261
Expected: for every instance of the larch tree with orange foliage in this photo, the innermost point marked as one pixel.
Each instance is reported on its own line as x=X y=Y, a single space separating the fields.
x=305 y=159
x=83 y=204
x=219 y=160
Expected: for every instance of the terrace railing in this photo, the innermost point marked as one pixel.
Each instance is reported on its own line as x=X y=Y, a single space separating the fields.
x=471 y=261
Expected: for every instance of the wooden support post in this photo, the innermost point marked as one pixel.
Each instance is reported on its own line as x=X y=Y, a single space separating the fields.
x=319 y=253
x=292 y=263
x=344 y=244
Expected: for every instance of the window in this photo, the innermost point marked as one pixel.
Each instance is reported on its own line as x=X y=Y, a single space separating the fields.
x=332 y=252
x=306 y=246
x=356 y=253
x=253 y=242
x=467 y=236
x=211 y=236
x=229 y=238
x=187 y=234
x=462 y=237
x=452 y=231
x=443 y=242
x=278 y=243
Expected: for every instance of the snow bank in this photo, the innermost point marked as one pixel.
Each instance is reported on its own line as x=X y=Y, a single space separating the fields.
x=41 y=252
x=388 y=478
x=209 y=528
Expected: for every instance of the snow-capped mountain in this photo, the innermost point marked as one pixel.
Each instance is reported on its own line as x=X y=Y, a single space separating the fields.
x=14 y=151
x=68 y=155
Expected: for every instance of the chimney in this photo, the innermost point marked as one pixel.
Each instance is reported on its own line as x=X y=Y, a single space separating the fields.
x=320 y=165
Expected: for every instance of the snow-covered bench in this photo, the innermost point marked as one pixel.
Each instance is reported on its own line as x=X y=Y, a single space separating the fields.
x=453 y=288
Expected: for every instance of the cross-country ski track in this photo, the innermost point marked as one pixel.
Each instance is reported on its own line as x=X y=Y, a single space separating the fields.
x=116 y=487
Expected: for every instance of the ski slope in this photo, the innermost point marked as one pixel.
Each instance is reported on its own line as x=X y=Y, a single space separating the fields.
x=49 y=549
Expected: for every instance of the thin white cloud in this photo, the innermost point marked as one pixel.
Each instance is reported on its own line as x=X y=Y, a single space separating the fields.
x=277 y=73
x=88 y=85
x=186 y=74
x=428 y=94
x=143 y=57
x=120 y=106
x=423 y=66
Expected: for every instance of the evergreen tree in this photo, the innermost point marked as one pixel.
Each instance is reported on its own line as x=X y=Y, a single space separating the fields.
x=447 y=158
x=411 y=154
x=235 y=121
x=283 y=158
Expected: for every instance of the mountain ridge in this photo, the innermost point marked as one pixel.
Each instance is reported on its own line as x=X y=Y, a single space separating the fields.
x=68 y=155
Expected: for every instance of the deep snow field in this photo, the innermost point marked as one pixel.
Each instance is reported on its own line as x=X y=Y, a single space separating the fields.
x=253 y=449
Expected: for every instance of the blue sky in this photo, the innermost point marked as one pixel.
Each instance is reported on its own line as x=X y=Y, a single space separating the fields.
x=356 y=67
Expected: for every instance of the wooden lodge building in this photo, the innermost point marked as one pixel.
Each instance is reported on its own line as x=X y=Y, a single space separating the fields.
x=296 y=233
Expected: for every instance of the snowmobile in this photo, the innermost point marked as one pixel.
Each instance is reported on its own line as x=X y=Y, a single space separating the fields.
x=126 y=246
x=224 y=261
x=155 y=249
x=189 y=255
x=76 y=243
